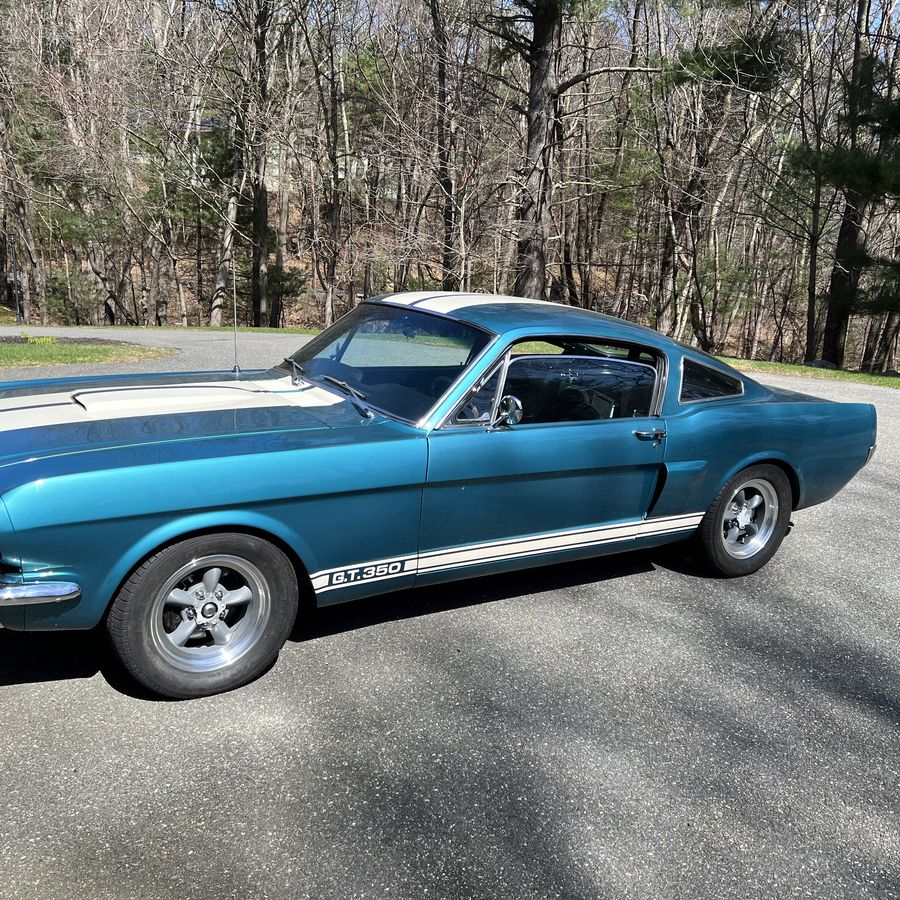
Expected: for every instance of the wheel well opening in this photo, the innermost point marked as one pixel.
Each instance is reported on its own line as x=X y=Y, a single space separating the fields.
x=304 y=582
x=791 y=477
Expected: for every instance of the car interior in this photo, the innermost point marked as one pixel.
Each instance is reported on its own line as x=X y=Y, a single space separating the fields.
x=571 y=381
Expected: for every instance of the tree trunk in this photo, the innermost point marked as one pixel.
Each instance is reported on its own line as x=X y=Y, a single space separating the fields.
x=449 y=277
x=534 y=196
x=847 y=268
x=844 y=280
x=276 y=306
x=260 y=276
x=812 y=337
x=226 y=256
x=259 y=292
x=888 y=344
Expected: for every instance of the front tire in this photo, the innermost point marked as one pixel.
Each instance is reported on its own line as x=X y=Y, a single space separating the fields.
x=747 y=521
x=205 y=615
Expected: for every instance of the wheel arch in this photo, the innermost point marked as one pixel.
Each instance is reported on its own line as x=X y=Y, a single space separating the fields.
x=292 y=545
x=792 y=477
x=787 y=466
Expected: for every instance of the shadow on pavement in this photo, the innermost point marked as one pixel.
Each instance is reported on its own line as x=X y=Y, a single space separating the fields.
x=452 y=595
x=34 y=657
x=48 y=656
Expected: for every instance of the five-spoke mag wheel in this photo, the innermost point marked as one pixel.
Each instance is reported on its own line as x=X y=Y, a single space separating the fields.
x=747 y=521
x=204 y=615
x=210 y=612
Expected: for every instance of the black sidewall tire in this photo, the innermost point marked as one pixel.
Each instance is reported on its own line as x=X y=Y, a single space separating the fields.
x=709 y=534
x=128 y=621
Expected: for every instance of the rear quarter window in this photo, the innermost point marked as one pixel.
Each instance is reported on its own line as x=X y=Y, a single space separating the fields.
x=699 y=382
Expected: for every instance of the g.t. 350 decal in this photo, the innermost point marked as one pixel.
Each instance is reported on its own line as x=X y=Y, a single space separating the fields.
x=364 y=573
x=375 y=570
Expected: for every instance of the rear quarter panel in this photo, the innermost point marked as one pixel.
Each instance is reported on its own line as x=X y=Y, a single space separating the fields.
x=824 y=444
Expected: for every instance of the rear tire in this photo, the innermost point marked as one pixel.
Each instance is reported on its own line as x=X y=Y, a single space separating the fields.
x=747 y=521
x=205 y=615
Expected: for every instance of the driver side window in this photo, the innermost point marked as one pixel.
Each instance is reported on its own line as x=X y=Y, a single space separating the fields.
x=579 y=388
x=566 y=380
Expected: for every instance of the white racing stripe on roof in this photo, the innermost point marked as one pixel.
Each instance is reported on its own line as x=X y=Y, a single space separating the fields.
x=409 y=297
x=431 y=301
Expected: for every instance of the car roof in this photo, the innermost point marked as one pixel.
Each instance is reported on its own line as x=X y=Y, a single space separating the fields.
x=502 y=314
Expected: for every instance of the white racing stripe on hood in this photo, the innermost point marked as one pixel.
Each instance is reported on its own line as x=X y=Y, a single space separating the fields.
x=129 y=401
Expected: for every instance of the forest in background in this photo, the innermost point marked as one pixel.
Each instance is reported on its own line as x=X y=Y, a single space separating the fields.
x=727 y=171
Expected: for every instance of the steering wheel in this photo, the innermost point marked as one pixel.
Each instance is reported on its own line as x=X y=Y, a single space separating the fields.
x=340 y=370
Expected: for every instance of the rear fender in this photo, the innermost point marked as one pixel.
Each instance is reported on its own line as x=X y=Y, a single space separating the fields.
x=822 y=444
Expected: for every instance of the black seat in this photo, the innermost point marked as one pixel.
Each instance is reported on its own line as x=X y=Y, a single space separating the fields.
x=569 y=406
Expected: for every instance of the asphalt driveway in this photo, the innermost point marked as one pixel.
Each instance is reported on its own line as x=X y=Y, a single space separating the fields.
x=623 y=728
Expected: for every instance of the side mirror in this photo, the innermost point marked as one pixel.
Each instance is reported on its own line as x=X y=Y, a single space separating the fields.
x=509 y=412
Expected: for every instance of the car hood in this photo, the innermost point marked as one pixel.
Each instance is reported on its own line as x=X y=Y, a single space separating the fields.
x=40 y=419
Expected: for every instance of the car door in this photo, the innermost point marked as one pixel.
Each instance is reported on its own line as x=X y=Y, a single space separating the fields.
x=577 y=473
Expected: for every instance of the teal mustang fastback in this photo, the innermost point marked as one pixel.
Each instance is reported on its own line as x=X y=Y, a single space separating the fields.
x=424 y=437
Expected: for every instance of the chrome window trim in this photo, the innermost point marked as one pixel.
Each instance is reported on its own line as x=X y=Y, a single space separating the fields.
x=508 y=360
x=626 y=362
x=662 y=385
x=450 y=421
x=661 y=372
x=697 y=362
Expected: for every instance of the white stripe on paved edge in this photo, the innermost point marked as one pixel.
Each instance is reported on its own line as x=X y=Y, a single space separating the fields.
x=497 y=551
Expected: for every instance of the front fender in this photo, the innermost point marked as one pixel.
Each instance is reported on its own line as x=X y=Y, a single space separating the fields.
x=99 y=584
x=13 y=617
x=93 y=525
x=176 y=529
x=9 y=547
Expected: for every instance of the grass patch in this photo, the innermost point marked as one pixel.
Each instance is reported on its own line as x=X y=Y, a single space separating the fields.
x=537 y=347
x=49 y=351
x=774 y=368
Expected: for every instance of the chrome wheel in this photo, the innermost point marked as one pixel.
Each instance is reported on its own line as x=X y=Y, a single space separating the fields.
x=749 y=519
x=210 y=613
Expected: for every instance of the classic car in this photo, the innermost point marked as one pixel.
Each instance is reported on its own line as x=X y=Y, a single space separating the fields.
x=424 y=437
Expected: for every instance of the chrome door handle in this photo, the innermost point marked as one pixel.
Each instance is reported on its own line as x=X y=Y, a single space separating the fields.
x=656 y=435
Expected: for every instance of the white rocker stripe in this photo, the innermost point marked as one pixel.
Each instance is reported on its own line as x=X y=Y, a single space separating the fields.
x=497 y=551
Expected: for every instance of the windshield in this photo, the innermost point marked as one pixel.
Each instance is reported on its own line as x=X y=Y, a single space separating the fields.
x=401 y=361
